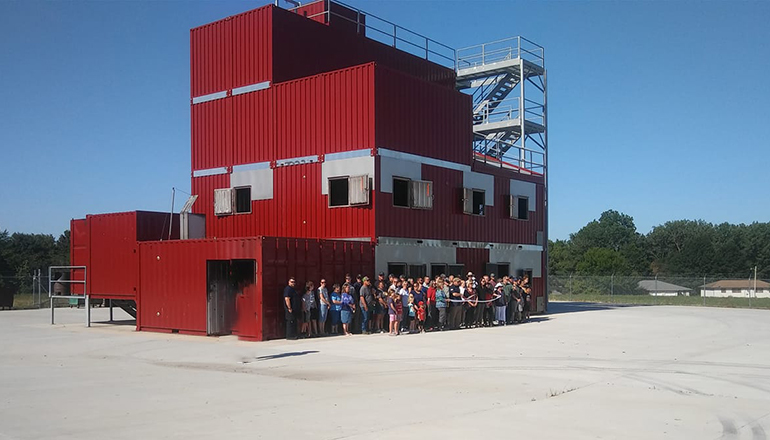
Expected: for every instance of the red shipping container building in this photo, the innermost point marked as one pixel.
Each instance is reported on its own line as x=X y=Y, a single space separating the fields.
x=306 y=125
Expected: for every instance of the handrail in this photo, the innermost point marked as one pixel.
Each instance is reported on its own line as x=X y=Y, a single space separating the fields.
x=500 y=50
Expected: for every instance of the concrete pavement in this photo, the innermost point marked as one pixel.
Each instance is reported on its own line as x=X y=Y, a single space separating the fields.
x=584 y=371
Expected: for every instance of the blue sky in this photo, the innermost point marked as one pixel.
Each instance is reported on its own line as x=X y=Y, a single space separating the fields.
x=656 y=109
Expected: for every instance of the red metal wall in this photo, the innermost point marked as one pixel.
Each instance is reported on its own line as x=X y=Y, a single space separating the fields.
x=421 y=118
x=276 y=45
x=252 y=127
x=446 y=221
x=252 y=47
x=475 y=260
x=173 y=283
x=107 y=245
x=173 y=286
x=305 y=260
x=303 y=47
x=211 y=58
x=211 y=134
x=297 y=209
x=326 y=113
x=80 y=241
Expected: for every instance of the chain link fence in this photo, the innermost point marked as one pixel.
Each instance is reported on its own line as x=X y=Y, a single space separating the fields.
x=30 y=292
x=661 y=290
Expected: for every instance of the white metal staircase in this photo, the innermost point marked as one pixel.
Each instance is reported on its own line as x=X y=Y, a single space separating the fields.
x=507 y=80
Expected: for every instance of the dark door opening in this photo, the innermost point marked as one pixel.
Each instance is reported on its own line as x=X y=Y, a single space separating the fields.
x=220 y=298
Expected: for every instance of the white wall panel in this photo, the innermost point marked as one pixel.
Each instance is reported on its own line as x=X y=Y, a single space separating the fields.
x=354 y=166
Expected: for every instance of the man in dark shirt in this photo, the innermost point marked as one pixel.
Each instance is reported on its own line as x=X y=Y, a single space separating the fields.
x=456 y=306
x=292 y=306
x=516 y=301
x=483 y=295
x=366 y=304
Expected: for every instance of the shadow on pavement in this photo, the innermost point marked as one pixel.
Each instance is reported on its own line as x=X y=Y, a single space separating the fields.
x=283 y=355
x=555 y=308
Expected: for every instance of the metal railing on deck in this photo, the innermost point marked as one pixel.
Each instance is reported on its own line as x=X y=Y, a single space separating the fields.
x=389 y=33
x=500 y=50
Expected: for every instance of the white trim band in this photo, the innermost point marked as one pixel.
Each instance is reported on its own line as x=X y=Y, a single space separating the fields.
x=347 y=155
x=209 y=97
x=251 y=88
x=384 y=152
x=210 y=172
x=395 y=241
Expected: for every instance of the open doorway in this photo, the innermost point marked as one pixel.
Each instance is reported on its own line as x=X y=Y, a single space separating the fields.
x=220 y=298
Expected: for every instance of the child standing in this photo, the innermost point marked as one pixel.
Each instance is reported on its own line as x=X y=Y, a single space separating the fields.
x=412 y=313
x=421 y=312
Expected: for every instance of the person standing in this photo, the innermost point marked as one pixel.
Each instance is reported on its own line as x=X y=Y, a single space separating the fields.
x=441 y=305
x=348 y=308
x=325 y=305
x=289 y=302
x=471 y=301
x=367 y=305
x=500 y=305
x=392 y=312
x=483 y=297
x=355 y=291
x=508 y=291
x=336 y=309
x=455 y=305
x=403 y=294
x=430 y=296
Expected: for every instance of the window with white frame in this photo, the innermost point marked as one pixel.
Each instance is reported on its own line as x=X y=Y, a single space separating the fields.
x=416 y=194
x=349 y=191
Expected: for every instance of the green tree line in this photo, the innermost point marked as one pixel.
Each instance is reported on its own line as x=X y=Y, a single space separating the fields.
x=612 y=245
x=21 y=254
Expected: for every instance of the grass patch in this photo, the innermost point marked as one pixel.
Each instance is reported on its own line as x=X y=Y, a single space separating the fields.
x=741 y=303
x=28 y=301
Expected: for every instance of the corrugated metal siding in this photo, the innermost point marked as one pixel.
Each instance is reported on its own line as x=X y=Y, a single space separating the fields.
x=252 y=46
x=303 y=47
x=446 y=220
x=211 y=58
x=421 y=118
x=298 y=209
x=475 y=260
x=305 y=260
x=253 y=122
x=79 y=252
x=326 y=113
x=212 y=134
x=173 y=285
x=113 y=269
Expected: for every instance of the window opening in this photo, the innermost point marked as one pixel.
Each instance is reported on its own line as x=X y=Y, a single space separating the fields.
x=478 y=202
x=338 y=191
x=243 y=200
x=400 y=192
x=397 y=269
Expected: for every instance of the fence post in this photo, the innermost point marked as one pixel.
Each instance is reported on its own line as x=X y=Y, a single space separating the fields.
x=612 y=287
x=570 y=284
x=703 y=290
x=654 y=299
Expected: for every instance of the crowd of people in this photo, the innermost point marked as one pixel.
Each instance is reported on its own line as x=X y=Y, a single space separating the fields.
x=399 y=305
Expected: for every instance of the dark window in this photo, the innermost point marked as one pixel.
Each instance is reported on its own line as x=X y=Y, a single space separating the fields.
x=456 y=270
x=397 y=269
x=400 y=192
x=243 y=200
x=523 y=208
x=503 y=269
x=437 y=269
x=478 y=202
x=416 y=271
x=338 y=192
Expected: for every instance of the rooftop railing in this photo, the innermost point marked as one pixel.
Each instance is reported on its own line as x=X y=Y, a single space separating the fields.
x=389 y=33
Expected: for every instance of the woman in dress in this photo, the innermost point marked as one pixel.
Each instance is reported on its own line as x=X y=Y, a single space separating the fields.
x=348 y=308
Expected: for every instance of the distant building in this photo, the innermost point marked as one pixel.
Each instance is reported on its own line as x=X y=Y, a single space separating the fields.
x=736 y=289
x=660 y=288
